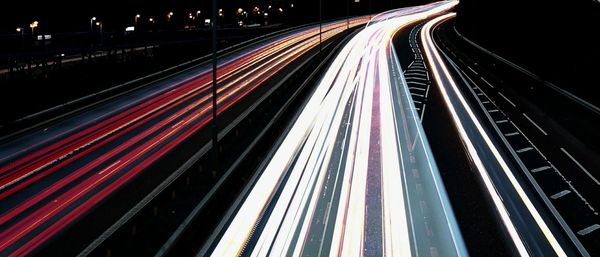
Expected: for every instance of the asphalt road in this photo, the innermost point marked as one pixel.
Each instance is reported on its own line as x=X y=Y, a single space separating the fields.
x=530 y=123
x=53 y=177
x=354 y=175
x=476 y=216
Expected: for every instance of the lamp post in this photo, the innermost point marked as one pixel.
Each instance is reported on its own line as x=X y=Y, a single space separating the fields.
x=33 y=25
x=215 y=139
x=137 y=16
x=320 y=26
x=22 y=32
x=347 y=14
x=92 y=24
x=99 y=24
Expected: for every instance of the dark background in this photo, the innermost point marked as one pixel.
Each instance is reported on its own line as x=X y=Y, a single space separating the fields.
x=69 y=15
x=558 y=40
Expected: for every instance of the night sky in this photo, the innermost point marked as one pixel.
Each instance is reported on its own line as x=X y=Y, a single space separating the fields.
x=68 y=15
x=557 y=40
x=539 y=33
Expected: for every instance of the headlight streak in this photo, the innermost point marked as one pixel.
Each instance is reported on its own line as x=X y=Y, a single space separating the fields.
x=304 y=156
x=180 y=110
x=441 y=74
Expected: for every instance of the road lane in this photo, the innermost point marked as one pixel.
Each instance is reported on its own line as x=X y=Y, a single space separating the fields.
x=316 y=195
x=51 y=179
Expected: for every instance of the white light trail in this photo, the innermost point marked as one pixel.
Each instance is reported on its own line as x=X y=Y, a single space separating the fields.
x=442 y=75
x=297 y=172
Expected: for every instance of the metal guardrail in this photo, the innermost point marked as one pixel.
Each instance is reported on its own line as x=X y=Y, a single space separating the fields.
x=114 y=92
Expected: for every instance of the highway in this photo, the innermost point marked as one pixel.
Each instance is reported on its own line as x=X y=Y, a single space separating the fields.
x=354 y=175
x=412 y=135
x=52 y=177
x=508 y=141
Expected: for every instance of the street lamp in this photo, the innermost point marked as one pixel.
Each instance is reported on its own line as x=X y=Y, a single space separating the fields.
x=22 y=32
x=169 y=16
x=151 y=20
x=99 y=24
x=33 y=25
x=92 y=23
x=137 y=16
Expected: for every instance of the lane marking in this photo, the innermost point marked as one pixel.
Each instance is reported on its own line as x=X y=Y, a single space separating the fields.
x=560 y=194
x=417 y=78
x=525 y=149
x=501 y=121
x=543 y=168
x=588 y=230
x=486 y=82
x=416 y=82
x=581 y=166
x=508 y=100
x=511 y=134
x=472 y=70
x=535 y=124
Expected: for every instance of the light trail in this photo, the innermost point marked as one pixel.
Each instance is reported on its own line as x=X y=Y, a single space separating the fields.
x=354 y=176
x=48 y=185
x=529 y=232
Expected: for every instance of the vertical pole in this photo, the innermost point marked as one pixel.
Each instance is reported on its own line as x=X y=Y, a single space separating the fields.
x=370 y=9
x=320 y=26
x=215 y=138
x=348 y=14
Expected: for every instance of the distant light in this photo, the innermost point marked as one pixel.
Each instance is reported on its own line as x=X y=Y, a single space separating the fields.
x=280 y=10
x=93 y=18
x=62 y=55
x=198 y=12
x=137 y=16
x=151 y=20
x=44 y=37
x=19 y=29
x=98 y=23
x=266 y=14
x=130 y=29
x=291 y=5
x=207 y=22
